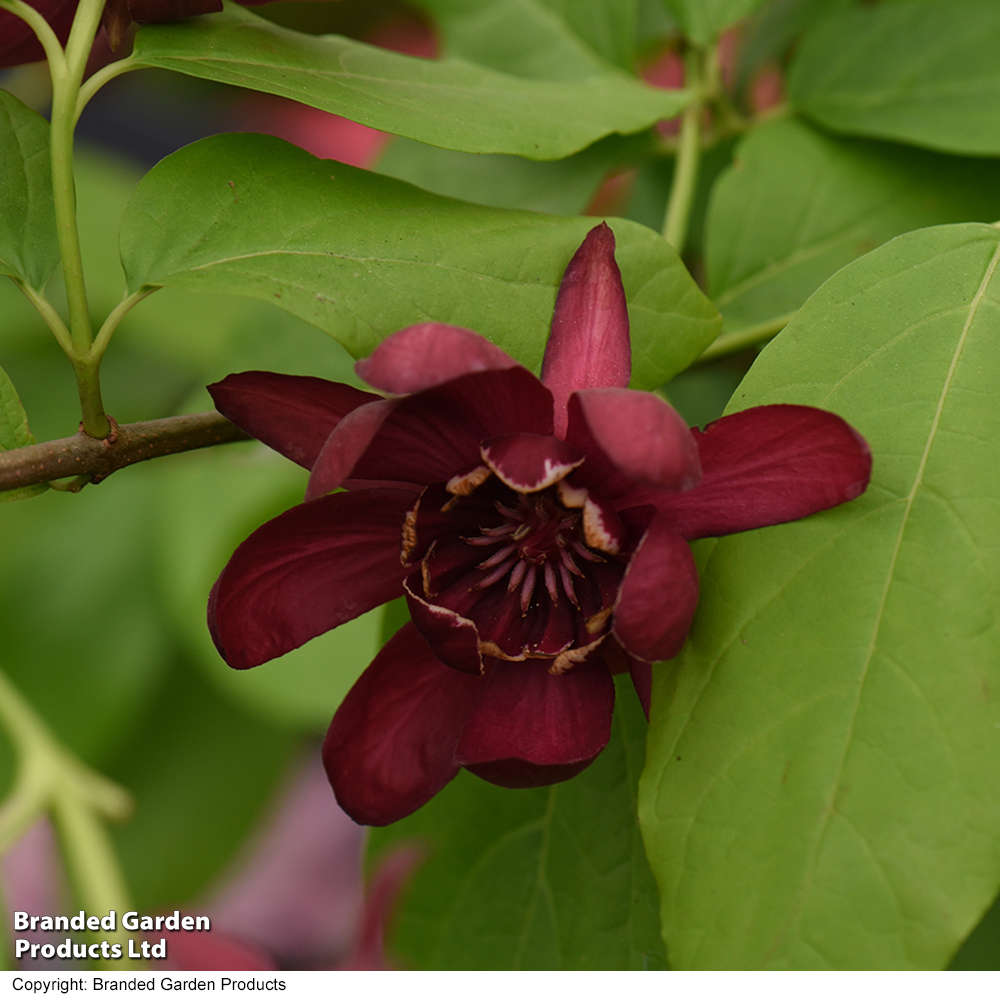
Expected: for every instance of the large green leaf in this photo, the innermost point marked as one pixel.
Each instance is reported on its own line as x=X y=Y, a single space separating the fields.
x=704 y=20
x=543 y=878
x=448 y=103
x=797 y=205
x=921 y=71
x=29 y=246
x=539 y=39
x=822 y=788
x=607 y=26
x=361 y=256
x=563 y=187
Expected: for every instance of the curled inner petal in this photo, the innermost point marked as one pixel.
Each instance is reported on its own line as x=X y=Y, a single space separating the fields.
x=529 y=462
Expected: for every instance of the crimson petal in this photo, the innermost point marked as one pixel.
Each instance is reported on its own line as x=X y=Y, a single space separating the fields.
x=529 y=462
x=309 y=570
x=430 y=436
x=454 y=639
x=293 y=414
x=643 y=437
x=349 y=440
x=425 y=355
x=658 y=595
x=588 y=346
x=532 y=728
x=391 y=745
x=768 y=465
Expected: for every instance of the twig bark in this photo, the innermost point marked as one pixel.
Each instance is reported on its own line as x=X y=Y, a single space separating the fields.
x=82 y=455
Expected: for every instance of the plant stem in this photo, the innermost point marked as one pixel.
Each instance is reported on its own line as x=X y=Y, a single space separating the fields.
x=93 y=866
x=82 y=455
x=747 y=336
x=67 y=75
x=678 y=215
x=47 y=311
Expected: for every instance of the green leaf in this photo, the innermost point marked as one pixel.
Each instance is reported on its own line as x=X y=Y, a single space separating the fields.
x=14 y=433
x=922 y=71
x=541 y=878
x=208 y=504
x=704 y=20
x=539 y=39
x=448 y=103
x=361 y=256
x=608 y=26
x=29 y=246
x=653 y=24
x=822 y=789
x=562 y=187
x=202 y=772
x=797 y=205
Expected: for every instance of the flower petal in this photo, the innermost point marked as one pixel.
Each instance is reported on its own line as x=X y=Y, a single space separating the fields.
x=529 y=462
x=454 y=639
x=589 y=344
x=431 y=436
x=642 y=436
x=532 y=728
x=768 y=465
x=309 y=570
x=391 y=745
x=293 y=414
x=425 y=355
x=346 y=444
x=658 y=595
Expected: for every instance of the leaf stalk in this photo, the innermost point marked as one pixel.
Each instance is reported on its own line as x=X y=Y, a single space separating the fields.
x=682 y=190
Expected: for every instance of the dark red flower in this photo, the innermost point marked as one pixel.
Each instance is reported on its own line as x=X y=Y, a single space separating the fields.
x=538 y=529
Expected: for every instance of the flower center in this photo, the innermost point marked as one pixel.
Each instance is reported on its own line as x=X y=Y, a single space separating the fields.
x=536 y=572
x=538 y=546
